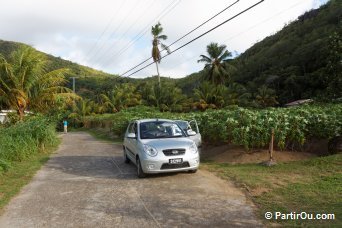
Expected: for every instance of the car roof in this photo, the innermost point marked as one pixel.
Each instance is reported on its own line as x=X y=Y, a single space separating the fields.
x=151 y=120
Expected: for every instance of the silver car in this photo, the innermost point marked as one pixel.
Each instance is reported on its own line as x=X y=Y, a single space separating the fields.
x=158 y=146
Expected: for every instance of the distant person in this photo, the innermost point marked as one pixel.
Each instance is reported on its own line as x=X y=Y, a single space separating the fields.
x=65 y=124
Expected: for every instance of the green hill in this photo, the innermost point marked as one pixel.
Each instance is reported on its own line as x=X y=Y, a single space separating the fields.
x=300 y=61
x=6 y=47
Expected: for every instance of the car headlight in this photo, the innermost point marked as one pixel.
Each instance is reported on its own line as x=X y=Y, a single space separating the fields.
x=193 y=148
x=150 y=150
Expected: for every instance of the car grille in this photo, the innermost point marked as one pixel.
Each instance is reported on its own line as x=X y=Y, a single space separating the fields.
x=174 y=152
x=175 y=166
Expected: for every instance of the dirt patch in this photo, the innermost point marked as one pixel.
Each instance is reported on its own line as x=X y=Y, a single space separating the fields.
x=238 y=155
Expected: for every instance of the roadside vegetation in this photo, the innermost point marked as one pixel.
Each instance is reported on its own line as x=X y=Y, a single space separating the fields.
x=24 y=147
x=37 y=96
x=312 y=186
x=24 y=139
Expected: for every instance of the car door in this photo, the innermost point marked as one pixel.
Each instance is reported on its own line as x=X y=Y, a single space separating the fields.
x=131 y=143
x=196 y=138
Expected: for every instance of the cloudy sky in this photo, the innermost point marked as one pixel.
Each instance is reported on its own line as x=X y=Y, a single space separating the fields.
x=114 y=35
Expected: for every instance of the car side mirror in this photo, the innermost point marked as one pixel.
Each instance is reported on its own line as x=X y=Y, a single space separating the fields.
x=191 y=132
x=131 y=136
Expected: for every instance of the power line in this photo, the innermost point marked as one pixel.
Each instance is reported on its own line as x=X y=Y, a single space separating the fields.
x=142 y=33
x=143 y=13
x=164 y=12
x=116 y=29
x=248 y=29
x=196 y=38
x=185 y=35
x=106 y=28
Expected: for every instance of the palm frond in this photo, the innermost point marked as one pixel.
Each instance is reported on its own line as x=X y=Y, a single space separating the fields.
x=165 y=48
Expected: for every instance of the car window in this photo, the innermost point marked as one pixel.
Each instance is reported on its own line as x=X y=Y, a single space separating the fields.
x=184 y=125
x=160 y=129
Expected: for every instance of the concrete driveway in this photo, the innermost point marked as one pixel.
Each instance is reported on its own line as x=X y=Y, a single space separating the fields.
x=87 y=184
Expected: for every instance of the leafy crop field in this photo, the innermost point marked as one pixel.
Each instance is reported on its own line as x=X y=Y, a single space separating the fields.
x=248 y=127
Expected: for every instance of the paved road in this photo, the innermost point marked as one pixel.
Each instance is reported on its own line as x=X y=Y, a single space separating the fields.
x=87 y=184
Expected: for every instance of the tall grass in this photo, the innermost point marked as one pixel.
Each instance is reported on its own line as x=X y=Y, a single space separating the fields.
x=23 y=139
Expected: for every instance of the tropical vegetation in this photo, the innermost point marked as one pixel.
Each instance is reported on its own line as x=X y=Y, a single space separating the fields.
x=24 y=139
x=217 y=72
x=25 y=84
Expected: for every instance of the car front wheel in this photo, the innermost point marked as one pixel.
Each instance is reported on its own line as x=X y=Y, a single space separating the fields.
x=140 y=171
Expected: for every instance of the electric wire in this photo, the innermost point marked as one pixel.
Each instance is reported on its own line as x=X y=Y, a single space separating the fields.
x=246 y=30
x=116 y=29
x=106 y=28
x=142 y=33
x=127 y=30
x=184 y=35
x=203 y=34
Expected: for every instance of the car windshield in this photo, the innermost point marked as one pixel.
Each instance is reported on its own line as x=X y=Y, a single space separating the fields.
x=160 y=129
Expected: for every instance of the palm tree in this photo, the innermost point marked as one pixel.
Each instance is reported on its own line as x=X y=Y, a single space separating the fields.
x=81 y=109
x=157 y=37
x=215 y=63
x=121 y=97
x=266 y=97
x=25 y=82
x=210 y=96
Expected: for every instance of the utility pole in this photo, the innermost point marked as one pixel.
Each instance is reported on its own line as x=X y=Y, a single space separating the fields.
x=73 y=84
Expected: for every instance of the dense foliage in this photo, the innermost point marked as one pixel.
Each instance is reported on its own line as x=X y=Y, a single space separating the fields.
x=21 y=140
x=248 y=127
x=303 y=60
x=25 y=84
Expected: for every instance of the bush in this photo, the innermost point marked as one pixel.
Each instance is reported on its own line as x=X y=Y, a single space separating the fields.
x=19 y=141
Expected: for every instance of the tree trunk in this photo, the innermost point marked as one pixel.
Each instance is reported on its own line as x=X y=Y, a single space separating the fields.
x=21 y=113
x=158 y=74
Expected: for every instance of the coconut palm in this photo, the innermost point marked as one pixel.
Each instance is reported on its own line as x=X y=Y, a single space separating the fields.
x=81 y=109
x=25 y=82
x=157 y=37
x=215 y=63
x=210 y=95
x=266 y=97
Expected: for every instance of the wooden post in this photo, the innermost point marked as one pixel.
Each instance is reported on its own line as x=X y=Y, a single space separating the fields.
x=271 y=145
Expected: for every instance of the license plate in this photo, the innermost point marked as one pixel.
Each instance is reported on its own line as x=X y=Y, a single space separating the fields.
x=176 y=161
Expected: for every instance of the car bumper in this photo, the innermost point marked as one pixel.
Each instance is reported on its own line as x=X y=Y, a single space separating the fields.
x=162 y=165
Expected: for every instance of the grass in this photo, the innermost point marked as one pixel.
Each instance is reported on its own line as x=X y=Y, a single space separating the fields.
x=20 y=174
x=312 y=186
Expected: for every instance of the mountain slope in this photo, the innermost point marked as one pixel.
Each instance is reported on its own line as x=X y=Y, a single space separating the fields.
x=6 y=47
x=295 y=61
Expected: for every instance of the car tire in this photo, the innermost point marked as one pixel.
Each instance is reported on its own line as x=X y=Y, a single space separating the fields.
x=126 y=159
x=193 y=171
x=140 y=171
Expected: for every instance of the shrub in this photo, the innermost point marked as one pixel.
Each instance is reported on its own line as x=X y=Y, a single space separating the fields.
x=19 y=141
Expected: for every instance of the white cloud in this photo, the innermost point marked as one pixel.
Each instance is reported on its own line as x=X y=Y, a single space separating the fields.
x=71 y=29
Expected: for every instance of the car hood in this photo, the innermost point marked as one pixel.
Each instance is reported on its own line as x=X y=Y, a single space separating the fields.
x=168 y=143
